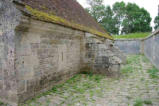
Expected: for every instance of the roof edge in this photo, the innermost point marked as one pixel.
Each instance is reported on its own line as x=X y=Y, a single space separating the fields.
x=58 y=20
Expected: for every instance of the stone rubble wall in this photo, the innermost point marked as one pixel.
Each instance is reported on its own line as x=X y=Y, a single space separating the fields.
x=102 y=56
x=36 y=55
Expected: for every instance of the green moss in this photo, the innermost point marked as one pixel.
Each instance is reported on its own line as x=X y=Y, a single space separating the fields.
x=55 y=19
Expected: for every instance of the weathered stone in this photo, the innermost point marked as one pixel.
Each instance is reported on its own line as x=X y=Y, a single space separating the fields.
x=151 y=49
x=36 y=55
x=131 y=46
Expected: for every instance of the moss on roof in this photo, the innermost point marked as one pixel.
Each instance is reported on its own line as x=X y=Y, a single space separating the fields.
x=55 y=19
x=64 y=12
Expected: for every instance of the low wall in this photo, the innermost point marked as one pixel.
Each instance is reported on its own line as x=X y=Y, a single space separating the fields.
x=148 y=46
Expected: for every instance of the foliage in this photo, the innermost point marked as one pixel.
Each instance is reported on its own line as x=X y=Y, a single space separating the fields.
x=132 y=35
x=140 y=102
x=148 y=102
x=156 y=21
x=108 y=22
x=137 y=19
x=1 y=103
x=119 y=13
x=154 y=73
x=121 y=18
x=103 y=15
x=75 y=87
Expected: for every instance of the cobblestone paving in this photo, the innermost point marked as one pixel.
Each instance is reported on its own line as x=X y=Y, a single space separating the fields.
x=135 y=87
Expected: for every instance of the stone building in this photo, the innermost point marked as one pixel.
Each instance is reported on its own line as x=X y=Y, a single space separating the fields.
x=45 y=42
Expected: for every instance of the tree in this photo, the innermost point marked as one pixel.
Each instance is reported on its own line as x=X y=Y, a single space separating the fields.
x=109 y=22
x=94 y=2
x=124 y=18
x=119 y=13
x=136 y=19
x=103 y=15
x=156 y=21
x=97 y=9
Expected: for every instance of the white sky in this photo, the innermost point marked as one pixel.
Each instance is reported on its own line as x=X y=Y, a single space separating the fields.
x=150 y=5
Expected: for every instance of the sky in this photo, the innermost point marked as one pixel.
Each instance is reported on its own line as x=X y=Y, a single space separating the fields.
x=150 y=5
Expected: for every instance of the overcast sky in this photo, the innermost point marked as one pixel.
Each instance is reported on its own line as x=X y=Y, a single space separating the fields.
x=149 y=5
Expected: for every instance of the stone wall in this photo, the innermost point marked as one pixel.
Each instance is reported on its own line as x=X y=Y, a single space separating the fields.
x=9 y=19
x=130 y=46
x=151 y=49
x=148 y=46
x=36 y=55
x=102 y=56
x=45 y=55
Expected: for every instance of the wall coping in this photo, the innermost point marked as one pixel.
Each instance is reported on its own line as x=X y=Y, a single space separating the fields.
x=152 y=34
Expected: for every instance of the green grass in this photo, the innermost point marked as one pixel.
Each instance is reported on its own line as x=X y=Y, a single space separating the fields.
x=133 y=63
x=127 y=69
x=1 y=103
x=140 y=102
x=154 y=73
x=132 y=35
x=75 y=88
x=148 y=102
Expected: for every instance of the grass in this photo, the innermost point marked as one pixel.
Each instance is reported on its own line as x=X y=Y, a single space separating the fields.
x=154 y=73
x=75 y=89
x=1 y=103
x=127 y=69
x=132 y=35
x=140 y=102
x=85 y=87
x=133 y=63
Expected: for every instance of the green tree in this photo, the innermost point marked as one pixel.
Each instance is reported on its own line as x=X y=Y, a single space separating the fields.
x=156 y=21
x=103 y=15
x=124 y=18
x=97 y=9
x=119 y=13
x=109 y=22
x=136 y=19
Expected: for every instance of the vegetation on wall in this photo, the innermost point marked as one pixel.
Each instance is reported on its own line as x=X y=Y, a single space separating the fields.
x=121 y=18
x=58 y=20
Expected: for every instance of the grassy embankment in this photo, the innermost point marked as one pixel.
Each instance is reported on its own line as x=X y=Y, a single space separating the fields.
x=132 y=35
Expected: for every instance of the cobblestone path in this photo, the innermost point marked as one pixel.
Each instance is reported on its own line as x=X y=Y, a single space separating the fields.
x=135 y=87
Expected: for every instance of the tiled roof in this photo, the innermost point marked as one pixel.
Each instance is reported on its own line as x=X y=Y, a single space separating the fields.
x=66 y=12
